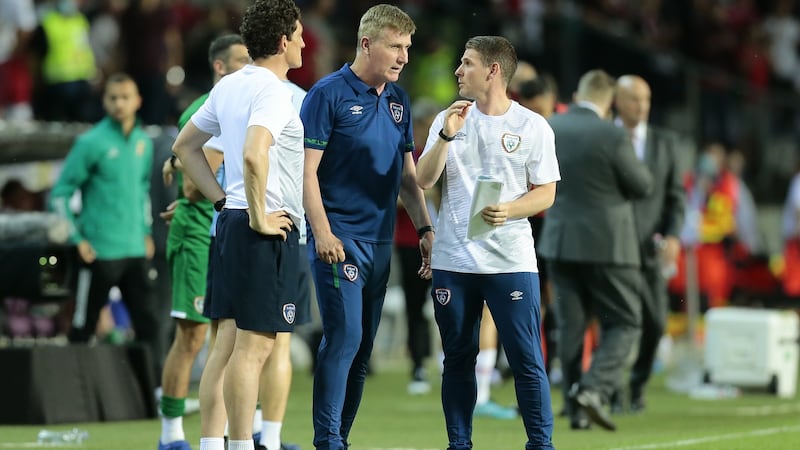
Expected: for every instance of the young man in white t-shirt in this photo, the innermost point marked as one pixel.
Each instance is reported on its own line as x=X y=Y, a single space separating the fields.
x=491 y=137
x=257 y=234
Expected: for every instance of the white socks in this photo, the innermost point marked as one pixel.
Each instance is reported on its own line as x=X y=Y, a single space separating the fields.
x=257 y=422
x=271 y=435
x=241 y=445
x=484 y=367
x=258 y=419
x=171 y=429
x=214 y=443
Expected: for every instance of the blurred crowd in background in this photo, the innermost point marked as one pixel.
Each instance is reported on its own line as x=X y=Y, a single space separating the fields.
x=725 y=74
x=721 y=70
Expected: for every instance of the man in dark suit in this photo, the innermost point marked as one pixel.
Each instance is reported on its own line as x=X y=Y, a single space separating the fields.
x=589 y=239
x=659 y=218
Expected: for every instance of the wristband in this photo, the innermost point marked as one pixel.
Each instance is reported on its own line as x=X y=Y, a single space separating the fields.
x=445 y=137
x=219 y=204
x=422 y=230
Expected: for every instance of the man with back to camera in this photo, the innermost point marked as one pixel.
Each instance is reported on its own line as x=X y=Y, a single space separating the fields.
x=257 y=254
x=187 y=252
x=589 y=240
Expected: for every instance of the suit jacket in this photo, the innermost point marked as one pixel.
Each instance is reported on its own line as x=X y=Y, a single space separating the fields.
x=592 y=219
x=663 y=210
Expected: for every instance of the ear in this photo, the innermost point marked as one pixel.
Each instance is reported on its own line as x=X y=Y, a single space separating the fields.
x=364 y=44
x=284 y=44
x=218 y=66
x=494 y=70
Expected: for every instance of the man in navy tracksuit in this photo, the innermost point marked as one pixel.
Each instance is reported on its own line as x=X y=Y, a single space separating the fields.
x=359 y=144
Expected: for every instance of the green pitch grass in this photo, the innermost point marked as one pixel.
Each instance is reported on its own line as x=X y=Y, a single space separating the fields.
x=390 y=419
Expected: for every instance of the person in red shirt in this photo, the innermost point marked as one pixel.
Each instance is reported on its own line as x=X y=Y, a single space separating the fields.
x=406 y=242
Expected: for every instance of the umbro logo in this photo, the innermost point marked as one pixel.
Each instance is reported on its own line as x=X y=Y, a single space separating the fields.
x=355 y=110
x=516 y=295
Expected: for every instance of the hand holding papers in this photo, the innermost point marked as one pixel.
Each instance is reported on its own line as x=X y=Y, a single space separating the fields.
x=487 y=192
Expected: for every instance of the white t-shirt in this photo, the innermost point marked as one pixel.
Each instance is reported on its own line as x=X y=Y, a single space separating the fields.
x=784 y=33
x=15 y=15
x=298 y=94
x=215 y=143
x=639 y=138
x=254 y=96
x=791 y=209
x=518 y=148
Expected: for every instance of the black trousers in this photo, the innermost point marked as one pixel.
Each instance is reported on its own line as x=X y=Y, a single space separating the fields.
x=133 y=277
x=417 y=293
x=610 y=294
x=655 y=304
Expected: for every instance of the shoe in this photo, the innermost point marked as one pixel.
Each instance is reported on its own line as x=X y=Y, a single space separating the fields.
x=556 y=376
x=284 y=446
x=495 y=411
x=419 y=382
x=638 y=404
x=192 y=406
x=176 y=445
x=579 y=421
x=592 y=403
x=617 y=406
x=419 y=387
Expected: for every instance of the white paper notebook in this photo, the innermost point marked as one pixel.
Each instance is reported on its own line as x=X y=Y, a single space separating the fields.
x=487 y=192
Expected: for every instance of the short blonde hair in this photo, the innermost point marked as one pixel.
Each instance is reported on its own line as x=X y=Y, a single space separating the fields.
x=596 y=85
x=382 y=16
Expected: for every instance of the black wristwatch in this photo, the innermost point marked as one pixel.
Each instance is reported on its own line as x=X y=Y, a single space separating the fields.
x=422 y=230
x=219 y=204
x=445 y=137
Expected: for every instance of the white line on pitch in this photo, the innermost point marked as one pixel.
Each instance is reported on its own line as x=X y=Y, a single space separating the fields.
x=34 y=445
x=717 y=438
x=750 y=411
x=400 y=448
